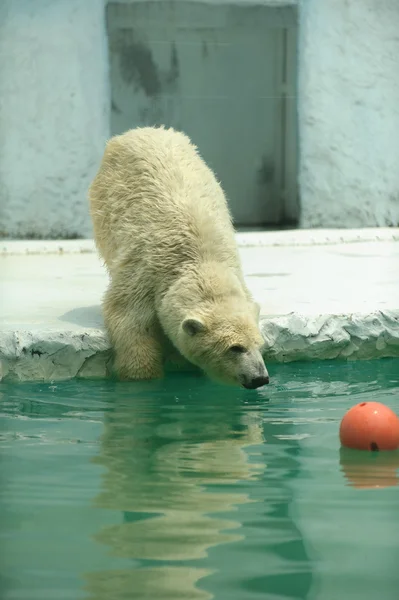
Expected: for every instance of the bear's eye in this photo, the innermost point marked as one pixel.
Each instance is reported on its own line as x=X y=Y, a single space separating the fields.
x=237 y=349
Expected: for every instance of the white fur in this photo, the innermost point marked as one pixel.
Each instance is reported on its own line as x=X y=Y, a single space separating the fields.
x=162 y=225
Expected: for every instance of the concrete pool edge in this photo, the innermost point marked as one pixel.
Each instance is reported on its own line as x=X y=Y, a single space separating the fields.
x=289 y=237
x=311 y=308
x=48 y=356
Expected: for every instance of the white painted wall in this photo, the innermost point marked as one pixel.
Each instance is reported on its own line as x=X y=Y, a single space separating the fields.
x=53 y=113
x=349 y=113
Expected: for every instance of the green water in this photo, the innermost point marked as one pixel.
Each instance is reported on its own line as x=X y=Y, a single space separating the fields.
x=183 y=489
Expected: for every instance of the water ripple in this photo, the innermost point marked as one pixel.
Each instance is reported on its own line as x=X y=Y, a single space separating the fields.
x=183 y=489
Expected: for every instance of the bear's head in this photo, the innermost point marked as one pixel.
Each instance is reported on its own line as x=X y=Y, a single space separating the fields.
x=225 y=342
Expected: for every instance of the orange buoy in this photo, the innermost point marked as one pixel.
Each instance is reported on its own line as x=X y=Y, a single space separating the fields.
x=370 y=426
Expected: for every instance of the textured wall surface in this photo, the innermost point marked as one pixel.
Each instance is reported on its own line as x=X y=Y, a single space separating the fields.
x=349 y=113
x=53 y=113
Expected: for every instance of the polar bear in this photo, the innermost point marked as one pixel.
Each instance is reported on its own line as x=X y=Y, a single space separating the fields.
x=164 y=230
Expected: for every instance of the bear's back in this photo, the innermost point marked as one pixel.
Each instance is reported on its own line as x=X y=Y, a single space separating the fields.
x=155 y=195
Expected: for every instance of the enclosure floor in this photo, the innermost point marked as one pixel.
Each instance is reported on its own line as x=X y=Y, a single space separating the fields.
x=324 y=294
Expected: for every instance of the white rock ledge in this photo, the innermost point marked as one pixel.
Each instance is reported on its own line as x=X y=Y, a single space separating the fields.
x=52 y=356
x=322 y=296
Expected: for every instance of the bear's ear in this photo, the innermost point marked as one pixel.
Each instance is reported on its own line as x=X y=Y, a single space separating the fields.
x=192 y=326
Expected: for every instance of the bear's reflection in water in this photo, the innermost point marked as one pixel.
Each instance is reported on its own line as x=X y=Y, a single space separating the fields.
x=159 y=454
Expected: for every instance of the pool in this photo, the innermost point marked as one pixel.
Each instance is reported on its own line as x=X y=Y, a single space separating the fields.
x=184 y=489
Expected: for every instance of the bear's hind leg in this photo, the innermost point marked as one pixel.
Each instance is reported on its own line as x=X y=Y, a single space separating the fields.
x=135 y=336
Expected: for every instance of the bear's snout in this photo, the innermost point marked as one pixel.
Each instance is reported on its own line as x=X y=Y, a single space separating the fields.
x=254 y=373
x=256 y=382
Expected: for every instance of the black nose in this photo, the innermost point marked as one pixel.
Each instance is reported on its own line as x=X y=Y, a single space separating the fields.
x=257 y=382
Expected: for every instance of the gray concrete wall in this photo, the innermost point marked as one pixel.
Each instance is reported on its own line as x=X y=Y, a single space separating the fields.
x=54 y=114
x=349 y=113
x=226 y=75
